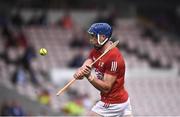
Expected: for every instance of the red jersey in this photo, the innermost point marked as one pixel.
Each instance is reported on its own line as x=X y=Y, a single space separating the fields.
x=112 y=63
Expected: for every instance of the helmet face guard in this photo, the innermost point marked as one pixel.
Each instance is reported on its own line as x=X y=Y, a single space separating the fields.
x=101 y=43
x=98 y=29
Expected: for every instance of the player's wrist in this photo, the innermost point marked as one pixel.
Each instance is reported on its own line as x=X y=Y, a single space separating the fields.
x=90 y=78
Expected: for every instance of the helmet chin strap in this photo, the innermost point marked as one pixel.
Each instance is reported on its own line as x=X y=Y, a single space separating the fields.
x=101 y=43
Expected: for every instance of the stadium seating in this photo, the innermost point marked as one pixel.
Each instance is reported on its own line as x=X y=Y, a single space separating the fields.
x=149 y=96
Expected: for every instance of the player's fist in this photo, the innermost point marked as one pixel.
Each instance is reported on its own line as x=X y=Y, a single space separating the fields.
x=78 y=75
x=86 y=71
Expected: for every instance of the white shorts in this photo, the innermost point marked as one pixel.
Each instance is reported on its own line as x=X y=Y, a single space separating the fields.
x=114 y=110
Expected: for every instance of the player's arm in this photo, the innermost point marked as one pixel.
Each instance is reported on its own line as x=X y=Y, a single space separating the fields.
x=110 y=76
x=104 y=85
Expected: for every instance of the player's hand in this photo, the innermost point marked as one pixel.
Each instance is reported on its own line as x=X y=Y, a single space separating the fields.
x=78 y=75
x=86 y=71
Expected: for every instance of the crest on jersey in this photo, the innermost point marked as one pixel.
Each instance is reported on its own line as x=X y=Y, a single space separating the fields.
x=101 y=64
x=99 y=74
